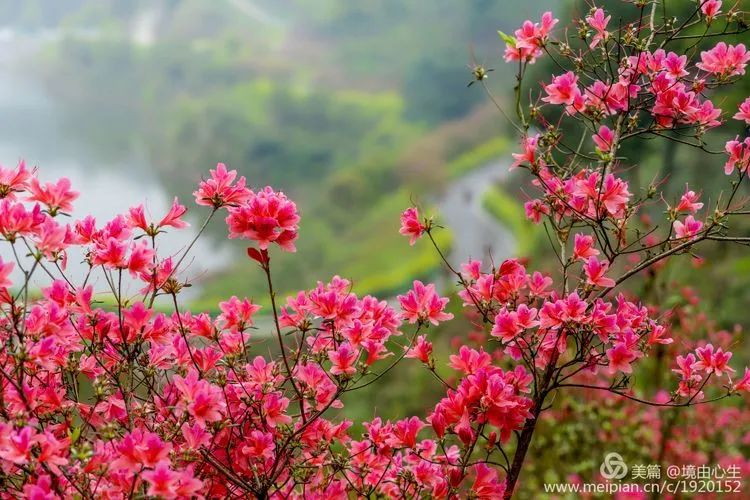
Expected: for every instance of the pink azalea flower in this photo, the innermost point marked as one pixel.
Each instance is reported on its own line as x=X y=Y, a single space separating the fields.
x=689 y=202
x=472 y=269
x=41 y=489
x=704 y=114
x=50 y=238
x=509 y=324
x=137 y=219
x=421 y=350
x=18 y=446
x=535 y=209
x=343 y=360
x=405 y=433
x=526 y=45
x=411 y=225
x=620 y=356
x=5 y=269
x=725 y=60
x=162 y=481
x=58 y=196
x=14 y=180
x=422 y=303
x=739 y=155
x=712 y=361
x=599 y=22
x=657 y=336
x=710 y=9
x=173 y=216
x=469 y=360
x=604 y=139
x=141 y=259
x=268 y=217
x=259 y=446
x=583 y=247
x=562 y=90
x=744 y=383
x=595 y=270
x=220 y=190
x=529 y=154
x=674 y=66
x=237 y=314
x=487 y=485
x=688 y=229
x=203 y=400
x=744 y=111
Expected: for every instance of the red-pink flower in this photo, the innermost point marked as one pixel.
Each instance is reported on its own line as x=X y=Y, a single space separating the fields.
x=535 y=209
x=710 y=9
x=526 y=45
x=17 y=447
x=688 y=229
x=563 y=89
x=689 y=202
x=13 y=180
x=422 y=303
x=220 y=190
x=583 y=246
x=137 y=218
x=16 y=220
x=421 y=350
x=50 y=238
x=712 y=361
x=595 y=270
x=405 y=432
x=58 y=196
x=343 y=359
x=141 y=259
x=204 y=401
x=411 y=226
x=599 y=22
x=140 y=448
x=40 y=489
x=268 y=217
x=509 y=324
x=744 y=111
x=620 y=356
x=744 y=383
x=237 y=314
x=166 y=483
x=487 y=486
x=469 y=360
x=739 y=155
x=674 y=65
x=604 y=139
x=5 y=269
x=725 y=60
x=529 y=155
x=259 y=446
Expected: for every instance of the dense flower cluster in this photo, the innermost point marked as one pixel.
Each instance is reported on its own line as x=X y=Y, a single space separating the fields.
x=125 y=393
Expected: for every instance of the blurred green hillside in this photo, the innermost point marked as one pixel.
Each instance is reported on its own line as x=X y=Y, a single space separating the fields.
x=352 y=108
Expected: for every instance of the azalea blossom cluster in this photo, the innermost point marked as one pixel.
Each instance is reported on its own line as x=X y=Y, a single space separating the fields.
x=109 y=394
x=612 y=88
x=649 y=431
x=122 y=393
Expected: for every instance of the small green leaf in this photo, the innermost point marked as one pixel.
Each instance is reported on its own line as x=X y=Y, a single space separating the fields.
x=507 y=39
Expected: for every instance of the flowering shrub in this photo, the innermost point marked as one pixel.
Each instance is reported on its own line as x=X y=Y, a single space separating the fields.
x=105 y=395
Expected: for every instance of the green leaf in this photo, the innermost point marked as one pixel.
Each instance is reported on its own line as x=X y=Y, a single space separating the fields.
x=507 y=39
